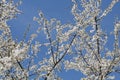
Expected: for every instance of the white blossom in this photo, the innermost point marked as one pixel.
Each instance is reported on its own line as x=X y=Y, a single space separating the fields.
x=79 y=46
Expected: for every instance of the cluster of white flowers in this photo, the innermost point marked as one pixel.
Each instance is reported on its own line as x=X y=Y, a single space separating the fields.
x=90 y=46
x=106 y=11
x=84 y=46
x=11 y=52
x=8 y=10
x=117 y=28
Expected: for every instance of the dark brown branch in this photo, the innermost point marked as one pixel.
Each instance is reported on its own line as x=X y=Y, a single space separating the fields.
x=91 y=67
x=98 y=44
x=20 y=65
x=50 y=40
x=61 y=57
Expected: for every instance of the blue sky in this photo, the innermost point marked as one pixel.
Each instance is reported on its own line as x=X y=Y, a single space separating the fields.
x=61 y=10
x=51 y=8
